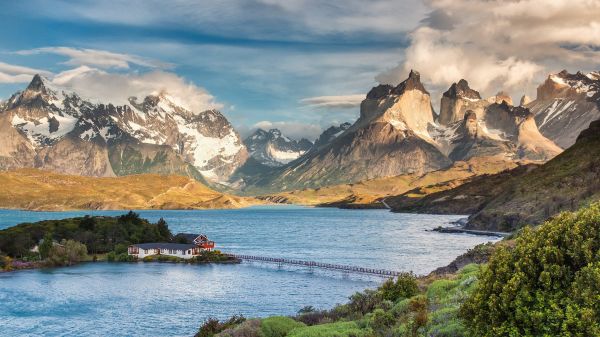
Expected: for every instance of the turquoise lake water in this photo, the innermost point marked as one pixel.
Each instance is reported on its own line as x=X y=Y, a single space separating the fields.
x=148 y=299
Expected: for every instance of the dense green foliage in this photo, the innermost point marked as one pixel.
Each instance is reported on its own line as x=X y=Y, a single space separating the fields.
x=100 y=234
x=404 y=286
x=278 y=326
x=547 y=285
x=46 y=245
x=338 y=329
x=67 y=253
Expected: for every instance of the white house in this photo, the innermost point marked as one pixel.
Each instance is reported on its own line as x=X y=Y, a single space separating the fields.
x=182 y=250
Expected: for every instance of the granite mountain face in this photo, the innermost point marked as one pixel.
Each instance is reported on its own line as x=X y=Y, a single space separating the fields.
x=566 y=104
x=469 y=126
x=399 y=133
x=389 y=138
x=49 y=127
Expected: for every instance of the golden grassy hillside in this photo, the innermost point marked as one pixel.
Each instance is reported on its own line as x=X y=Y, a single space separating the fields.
x=44 y=190
x=369 y=191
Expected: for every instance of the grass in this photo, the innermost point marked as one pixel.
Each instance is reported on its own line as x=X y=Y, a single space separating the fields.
x=44 y=190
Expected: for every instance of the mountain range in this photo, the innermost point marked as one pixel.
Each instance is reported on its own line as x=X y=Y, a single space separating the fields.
x=49 y=127
x=397 y=133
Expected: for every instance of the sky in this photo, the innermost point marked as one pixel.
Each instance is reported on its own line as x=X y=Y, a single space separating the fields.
x=299 y=65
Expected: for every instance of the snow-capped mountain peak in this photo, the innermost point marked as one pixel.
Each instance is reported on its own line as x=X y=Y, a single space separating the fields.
x=46 y=113
x=272 y=148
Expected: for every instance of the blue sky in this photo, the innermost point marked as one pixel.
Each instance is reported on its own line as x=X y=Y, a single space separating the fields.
x=262 y=61
x=300 y=65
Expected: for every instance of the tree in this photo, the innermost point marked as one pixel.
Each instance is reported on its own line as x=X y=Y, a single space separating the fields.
x=46 y=245
x=163 y=229
x=67 y=253
x=88 y=223
x=547 y=285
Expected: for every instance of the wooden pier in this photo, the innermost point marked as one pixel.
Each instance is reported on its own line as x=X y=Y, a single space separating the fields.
x=321 y=265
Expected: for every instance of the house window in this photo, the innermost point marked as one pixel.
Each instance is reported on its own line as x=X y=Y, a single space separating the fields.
x=145 y=251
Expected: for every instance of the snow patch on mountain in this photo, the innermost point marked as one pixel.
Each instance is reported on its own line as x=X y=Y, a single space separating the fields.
x=272 y=148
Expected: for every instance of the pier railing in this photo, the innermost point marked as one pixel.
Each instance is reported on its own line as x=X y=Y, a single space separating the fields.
x=321 y=265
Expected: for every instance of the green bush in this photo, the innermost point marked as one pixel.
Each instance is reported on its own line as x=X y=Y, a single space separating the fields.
x=111 y=257
x=121 y=248
x=163 y=258
x=339 y=329
x=381 y=321
x=364 y=302
x=405 y=286
x=278 y=326
x=209 y=256
x=67 y=253
x=547 y=285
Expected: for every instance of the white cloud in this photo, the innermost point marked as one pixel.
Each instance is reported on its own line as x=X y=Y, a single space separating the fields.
x=297 y=20
x=97 y=58
x=340 y=101
x=498 y=44
x=116 y=88
x=10 y=73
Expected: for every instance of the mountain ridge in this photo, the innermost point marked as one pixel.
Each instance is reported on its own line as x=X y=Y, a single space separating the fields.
x=45 y=122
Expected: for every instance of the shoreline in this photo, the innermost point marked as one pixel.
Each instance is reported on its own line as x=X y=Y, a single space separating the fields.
x=462 y=230
x=40 y=265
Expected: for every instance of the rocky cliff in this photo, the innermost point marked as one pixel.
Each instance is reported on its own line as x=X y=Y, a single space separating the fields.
x=389 y=138
x=566 y=104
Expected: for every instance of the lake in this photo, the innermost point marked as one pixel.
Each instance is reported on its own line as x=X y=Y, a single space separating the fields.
x=148 y=299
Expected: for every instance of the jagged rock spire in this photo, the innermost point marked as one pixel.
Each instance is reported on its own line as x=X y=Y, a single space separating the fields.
x=461 y=89
x=37 y=84
x=413 y=82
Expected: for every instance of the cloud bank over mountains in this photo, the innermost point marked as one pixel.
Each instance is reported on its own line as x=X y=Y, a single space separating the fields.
x=501 y=44
x=96 y=79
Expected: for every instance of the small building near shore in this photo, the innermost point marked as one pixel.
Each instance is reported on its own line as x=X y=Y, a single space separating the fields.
x=198 y=244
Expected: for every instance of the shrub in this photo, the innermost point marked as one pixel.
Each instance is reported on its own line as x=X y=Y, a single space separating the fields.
x=121 y=248
x=381 y=321
x=362 y=303
x=547 y=285
x=46 y=245
x=339 y=329
x=278 y=326
x=5 y=263
x=213 y=326
x=120 y=257
x=249 y=328
x=111 y=257
x=163 y=258
x=67 y=253
x=405 y=286
x=314 y=317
